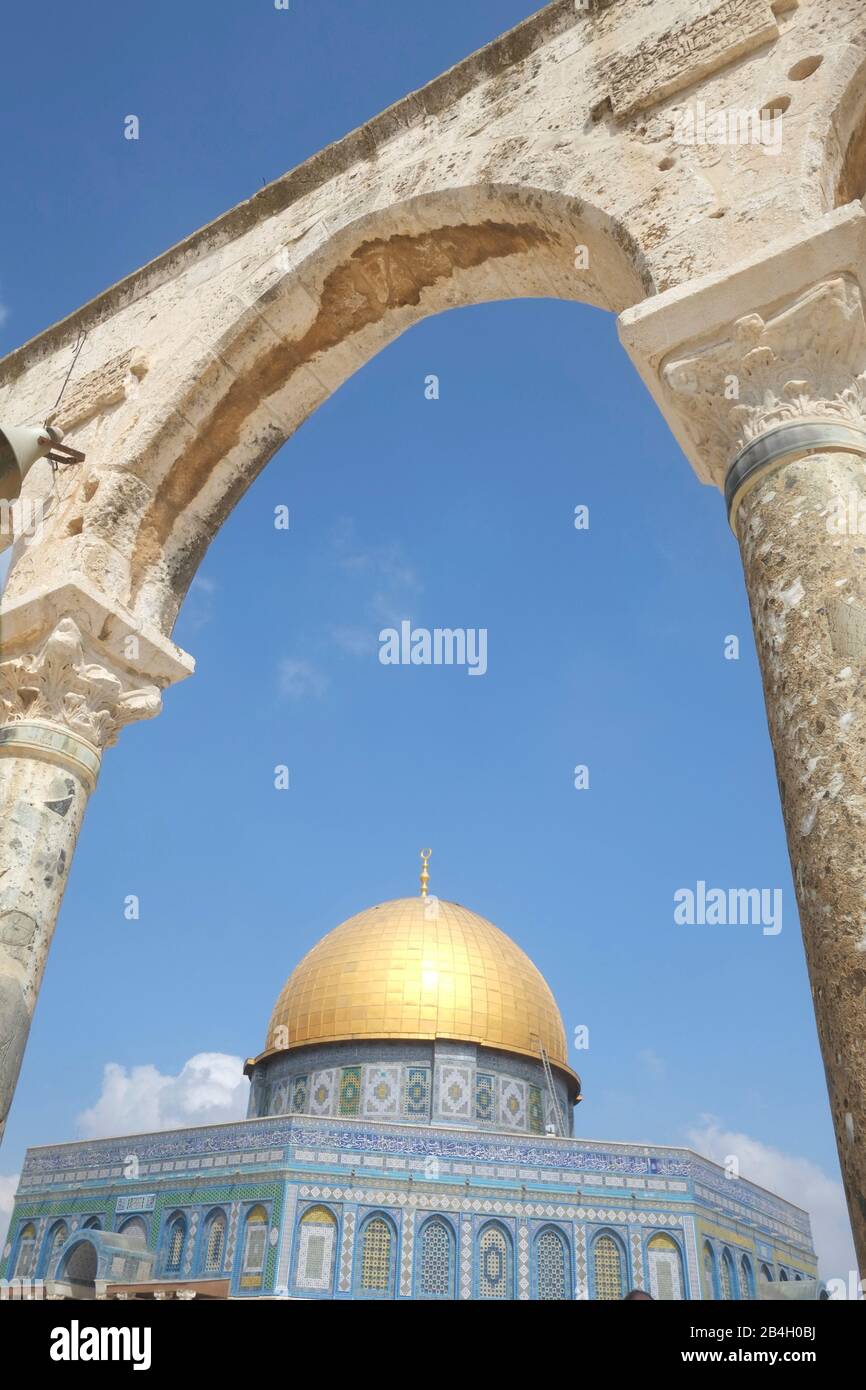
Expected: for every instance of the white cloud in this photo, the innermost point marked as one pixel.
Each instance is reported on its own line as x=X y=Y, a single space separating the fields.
x=300 y=678
x=798 y=1180
x=652 y=1063
x=209 y=1089
x=394 y=583
x=357 y=640
x=8 y=1188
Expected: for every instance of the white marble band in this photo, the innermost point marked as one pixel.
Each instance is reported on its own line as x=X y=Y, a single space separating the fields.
x=783 y=444
x=52 y=743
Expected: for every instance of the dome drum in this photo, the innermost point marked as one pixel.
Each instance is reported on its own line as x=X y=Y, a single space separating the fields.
x=412 y=1083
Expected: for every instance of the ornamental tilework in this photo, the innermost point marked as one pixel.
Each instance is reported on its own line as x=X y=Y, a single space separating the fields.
x=286 y=1241
x=350 y=1090
x=435 y=1279
x=280 y=1099
x=523 y=1289
x=417 y=1099
x=512 y=1103
x=190 y=1244
x=322 y=1093
x=346 y=1250
x=485 y=1090
x=407 y=1245
x=453 y=1092
x=300 y=1094
x=466 y=1260
x=691 y=1244
x=536 y=1111
x=551 y=1267
x=315 y=1257
x=636 y=1261
x=382 y=1092
x=233 y=1233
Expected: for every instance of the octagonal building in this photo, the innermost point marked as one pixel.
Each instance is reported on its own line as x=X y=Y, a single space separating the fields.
x=409 y=1135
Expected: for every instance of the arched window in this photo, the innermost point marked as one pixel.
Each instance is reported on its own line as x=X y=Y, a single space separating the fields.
x=317 y=1247
x=25 y=1260
x=728 y=1285
x=255 y=1246
x=665 y=1268
x=798 y=1278
x=436 y=1260
x=134 y=1227
x=214 y=1244
x=376 y=1246
x=494 y=1264
x=767 y=1273
x=783 y=1276
x=58 y=1237
x=710 y=1277
x=747 y=1281
x=93 y=1223
x=551 y=1265
x=175 y=1243
x=607 y=1264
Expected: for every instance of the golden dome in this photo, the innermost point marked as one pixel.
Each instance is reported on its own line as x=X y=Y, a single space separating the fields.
x=419 y=968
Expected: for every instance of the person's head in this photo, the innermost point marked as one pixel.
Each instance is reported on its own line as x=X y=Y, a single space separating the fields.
x=634 y=1295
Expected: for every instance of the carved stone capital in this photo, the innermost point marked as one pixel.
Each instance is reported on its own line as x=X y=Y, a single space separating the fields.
x=780 y=340
x=60 y=683
x=806 y=361
x=71 y=659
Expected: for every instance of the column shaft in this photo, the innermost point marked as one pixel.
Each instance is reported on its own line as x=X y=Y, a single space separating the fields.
x=805 y=569
x=43 y=796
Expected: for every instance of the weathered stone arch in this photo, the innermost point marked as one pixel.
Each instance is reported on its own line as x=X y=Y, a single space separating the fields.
x=739 y=278
x=303 y=331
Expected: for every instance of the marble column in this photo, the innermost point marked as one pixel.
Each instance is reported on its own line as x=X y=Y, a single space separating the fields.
x=73 y=672
x=771 y=406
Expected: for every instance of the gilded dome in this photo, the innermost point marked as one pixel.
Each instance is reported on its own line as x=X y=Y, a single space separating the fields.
x=419 y=968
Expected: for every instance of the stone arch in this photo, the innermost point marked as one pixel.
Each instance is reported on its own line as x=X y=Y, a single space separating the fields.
x=293 y=336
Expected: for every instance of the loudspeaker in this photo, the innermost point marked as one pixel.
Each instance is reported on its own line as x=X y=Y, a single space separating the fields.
x=20 y=447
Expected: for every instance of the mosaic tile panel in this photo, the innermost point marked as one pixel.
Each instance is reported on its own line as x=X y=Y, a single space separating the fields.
x=523 y=1289
x=636 y=1261
x=284 y=1262
x=280 y=1099
x=315 y=1255
x=346 y=1249
x=417 y=1098
x=382 y=1092
x=536 y=1111
x=300 y=1094
x=485 y=1093
x=350 y=1091
x=691 y=1244
x=453 y=1091
x=322 y=1092
x=407 y=1248
x=512 y=1103
x=466 y=1259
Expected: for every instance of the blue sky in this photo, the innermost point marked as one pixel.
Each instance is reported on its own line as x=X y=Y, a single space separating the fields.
x=605 y=646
